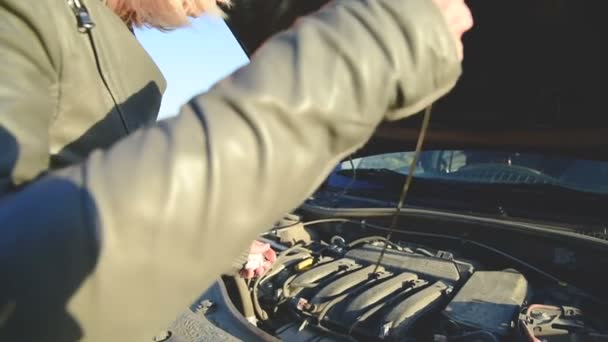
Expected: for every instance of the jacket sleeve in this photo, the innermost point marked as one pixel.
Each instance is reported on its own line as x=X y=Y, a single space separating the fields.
x=28 y=94
x=163 y=212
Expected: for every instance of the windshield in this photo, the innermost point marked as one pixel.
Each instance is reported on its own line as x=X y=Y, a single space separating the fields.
x=480 y=167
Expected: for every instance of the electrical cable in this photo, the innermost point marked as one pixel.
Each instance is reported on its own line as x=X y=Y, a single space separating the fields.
x=372 y=239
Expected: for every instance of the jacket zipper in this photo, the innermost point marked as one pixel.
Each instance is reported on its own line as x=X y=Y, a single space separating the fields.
x=85 y=25
x=83 y=19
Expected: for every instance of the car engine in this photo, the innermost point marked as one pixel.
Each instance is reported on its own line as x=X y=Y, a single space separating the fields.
x=334 y=289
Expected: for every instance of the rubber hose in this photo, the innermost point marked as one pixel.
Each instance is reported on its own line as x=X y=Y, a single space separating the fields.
x=245 y=297
x=371 y=239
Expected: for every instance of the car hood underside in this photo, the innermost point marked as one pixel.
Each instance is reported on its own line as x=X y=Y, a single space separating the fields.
x=533 y=81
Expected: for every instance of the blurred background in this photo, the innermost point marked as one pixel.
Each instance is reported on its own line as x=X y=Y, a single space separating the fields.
x=192 y=58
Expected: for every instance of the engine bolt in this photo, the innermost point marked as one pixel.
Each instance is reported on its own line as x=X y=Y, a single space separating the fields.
x=204 y=307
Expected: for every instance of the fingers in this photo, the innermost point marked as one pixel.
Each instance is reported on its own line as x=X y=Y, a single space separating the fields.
x=270 y=255
x=255 y=267
x=462 y=20
x=258 y=247
x=458 y=18
x=260 y=271
x=247 y=273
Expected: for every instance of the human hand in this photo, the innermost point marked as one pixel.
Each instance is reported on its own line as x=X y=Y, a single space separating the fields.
x=260 y=259
x=458 y=18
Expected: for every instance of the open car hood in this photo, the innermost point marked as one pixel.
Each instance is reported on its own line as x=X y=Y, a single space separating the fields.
x=534 y=79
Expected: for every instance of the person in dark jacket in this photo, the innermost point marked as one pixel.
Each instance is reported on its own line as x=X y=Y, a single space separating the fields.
x=111 y=223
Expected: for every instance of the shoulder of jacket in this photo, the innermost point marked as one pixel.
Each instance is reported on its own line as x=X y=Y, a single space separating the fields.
x=40 y=16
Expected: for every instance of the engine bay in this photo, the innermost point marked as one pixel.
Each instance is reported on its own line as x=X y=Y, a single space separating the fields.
x=327 y=285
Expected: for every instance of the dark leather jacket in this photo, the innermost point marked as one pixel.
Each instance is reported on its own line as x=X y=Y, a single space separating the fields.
x=121 y=221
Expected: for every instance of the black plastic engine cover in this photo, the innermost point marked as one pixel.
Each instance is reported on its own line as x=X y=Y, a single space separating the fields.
x=489 y=301
x=425 y=267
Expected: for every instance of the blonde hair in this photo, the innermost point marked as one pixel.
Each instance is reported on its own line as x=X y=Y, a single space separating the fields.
x=163 y=14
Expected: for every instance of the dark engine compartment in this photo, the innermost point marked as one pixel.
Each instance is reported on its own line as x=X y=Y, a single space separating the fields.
x=327 y=286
